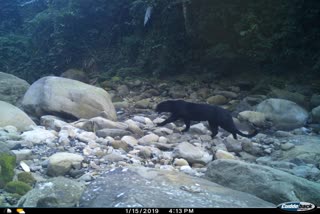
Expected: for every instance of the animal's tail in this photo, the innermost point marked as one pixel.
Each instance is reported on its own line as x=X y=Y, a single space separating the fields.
x=248 y=135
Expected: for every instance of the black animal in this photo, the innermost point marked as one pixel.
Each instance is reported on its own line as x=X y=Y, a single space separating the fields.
x=187 y=111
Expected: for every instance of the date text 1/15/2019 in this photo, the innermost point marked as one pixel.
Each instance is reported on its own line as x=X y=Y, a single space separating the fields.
x=157 y=211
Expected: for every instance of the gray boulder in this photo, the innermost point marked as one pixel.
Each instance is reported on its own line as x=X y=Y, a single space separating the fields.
x=192 y=153
x=55 y=192
x=11 y=115
x=12 y=88
x=67 y=98
x=285 y=115
x=146 y=187
x=265 y=182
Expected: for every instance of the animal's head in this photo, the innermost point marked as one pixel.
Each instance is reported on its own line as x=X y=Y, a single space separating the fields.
x=165 y=106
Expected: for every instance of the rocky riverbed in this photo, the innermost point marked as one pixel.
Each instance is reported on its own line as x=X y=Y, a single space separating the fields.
x=65 y=143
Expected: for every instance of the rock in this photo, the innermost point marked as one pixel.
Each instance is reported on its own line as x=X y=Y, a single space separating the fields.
x=67 y=98
x=114 y=157
x=232 y=145
x=118 y=144
x=163 y=130
x=163 y=140
x=282 y=134
x=252 y=148
x=145 y=152
x=315 y=113
x=38 y=136
x=217 y=100
x=227 y=94
x=180 y=162
x=62 y=162
x=306 y=171
x=23 y=154
x=306 y=150
x=133 y=127
x=315 y=100
x=112 y=133
x=129 y=140
x=98 y=123
x=287 y=146
x=198 y=128
x=11 y=115
x=257 y=118
x=54 y=192
x=123 y=90
x=287 y=95
x=145 y=187
x=76 y=74
x=148 y=139
x=86 y=136
x=12 y=89
x=192 y=154
x=285 y=115
x=145 y=103
x=121 y=105
x=52 y=122
x=220 y=154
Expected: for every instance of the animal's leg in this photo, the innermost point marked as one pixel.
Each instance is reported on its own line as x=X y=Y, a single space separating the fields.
x=171 y=119
x=187 y=122
x=213 y=128
x=234 y=136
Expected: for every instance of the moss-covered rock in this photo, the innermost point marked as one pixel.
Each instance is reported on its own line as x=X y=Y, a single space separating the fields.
x=7 y=165
x=18 y=187
x=27 y=178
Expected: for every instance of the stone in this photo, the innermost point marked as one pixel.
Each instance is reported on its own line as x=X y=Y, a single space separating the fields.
x=52 y=122
x=217 y=100
x=198 y=128
x=129 y=140
x=11 y=115
x=133 y=127
x=287 y=146
x=180 y=162
x=146 y=187
x=220 y=154
x=67 y=98
x=148 y=139
x=232 y=145
x=265 y=182
x=62 y=162
x=38 y=136
x=285 y=115
x=23 y=154
x=54 y=192
x=143 y=104
x=12 y=89
x=192 y=153
x=98 y=123
x=112 y=133
x=257 y=118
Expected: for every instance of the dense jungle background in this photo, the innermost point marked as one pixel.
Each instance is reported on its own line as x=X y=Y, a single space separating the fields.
x=108 y=38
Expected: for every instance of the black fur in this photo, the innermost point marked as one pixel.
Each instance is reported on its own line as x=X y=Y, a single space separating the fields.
x=187 y=111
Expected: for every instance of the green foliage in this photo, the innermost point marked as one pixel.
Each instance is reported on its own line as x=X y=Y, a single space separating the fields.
x=27 y=178
x=103 y=38
x=7 y=165
x=18 y=187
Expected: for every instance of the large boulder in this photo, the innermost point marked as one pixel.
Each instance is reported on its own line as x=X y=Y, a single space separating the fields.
x=67 y=98
x=55 y=192
x=12 y=88
x=285 y=115
x=267 y=183
x=147 y=187
x=11 y=115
